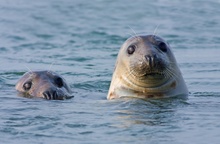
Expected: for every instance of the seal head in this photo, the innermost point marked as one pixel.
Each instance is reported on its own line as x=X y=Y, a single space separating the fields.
x=43 y=84
x=146 y=67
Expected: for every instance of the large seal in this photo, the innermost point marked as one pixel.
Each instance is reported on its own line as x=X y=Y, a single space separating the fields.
x=43 y=84
x=146 y=68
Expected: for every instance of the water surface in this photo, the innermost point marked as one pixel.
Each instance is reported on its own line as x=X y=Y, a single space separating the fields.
x=80 y=40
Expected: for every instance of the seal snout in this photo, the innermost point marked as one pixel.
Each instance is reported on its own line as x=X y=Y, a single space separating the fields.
x=50 y=95
x=154 y=64
x=151 y=60
x=55 y=95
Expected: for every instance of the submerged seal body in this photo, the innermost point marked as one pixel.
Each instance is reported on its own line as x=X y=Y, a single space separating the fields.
x=146 y=68
x=43 y=84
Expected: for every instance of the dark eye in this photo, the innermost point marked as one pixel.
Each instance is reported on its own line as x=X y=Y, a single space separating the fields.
x=59 y=81
x=131 y=49
x=162 y=46
x=27 y=85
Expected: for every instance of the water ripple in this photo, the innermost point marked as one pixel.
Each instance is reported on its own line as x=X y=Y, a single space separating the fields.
x=80 y=40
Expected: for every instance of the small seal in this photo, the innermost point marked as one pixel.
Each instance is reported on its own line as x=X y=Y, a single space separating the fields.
x=146 y=68
x=43 y=84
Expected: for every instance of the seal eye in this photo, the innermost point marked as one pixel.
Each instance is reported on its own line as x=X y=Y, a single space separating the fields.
x=59 y=82
x=131 y=49
x=162 y=46
x=27 y=85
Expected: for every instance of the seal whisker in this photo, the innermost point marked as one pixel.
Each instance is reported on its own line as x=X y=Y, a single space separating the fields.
x=133 y=30
x=131 y=35
x=171 y=73
x=30 y=71
x=51 y=65
x=166 y=74
x=135 y=34
x=155 y=30
x=128 y=74
x=31 y=74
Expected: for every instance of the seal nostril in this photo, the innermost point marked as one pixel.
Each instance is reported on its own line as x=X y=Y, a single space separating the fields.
x=55 y=95
x=150 y=60
x=45 y=94
x=51 y=95
x=147 y=57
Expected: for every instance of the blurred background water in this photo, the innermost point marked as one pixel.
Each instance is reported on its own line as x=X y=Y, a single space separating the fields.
x=80 y=40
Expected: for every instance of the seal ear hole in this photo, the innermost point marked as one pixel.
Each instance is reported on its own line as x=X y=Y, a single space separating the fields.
x=27 y=85
x=162 y=46
x=59 y=81
x=131 y=49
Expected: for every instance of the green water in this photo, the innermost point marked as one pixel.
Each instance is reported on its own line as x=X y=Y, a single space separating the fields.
x=80 y=40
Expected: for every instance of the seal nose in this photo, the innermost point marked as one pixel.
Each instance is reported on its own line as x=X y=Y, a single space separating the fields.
x=151 y=60
x=50 y=95
x=56 y=95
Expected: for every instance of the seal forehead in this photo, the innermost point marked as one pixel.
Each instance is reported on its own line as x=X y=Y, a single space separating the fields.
x=36 y=74
x=27 y=76
x=152 y=39
x=50 y=73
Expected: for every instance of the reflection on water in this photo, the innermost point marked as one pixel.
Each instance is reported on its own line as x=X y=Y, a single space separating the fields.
x=148 y=112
